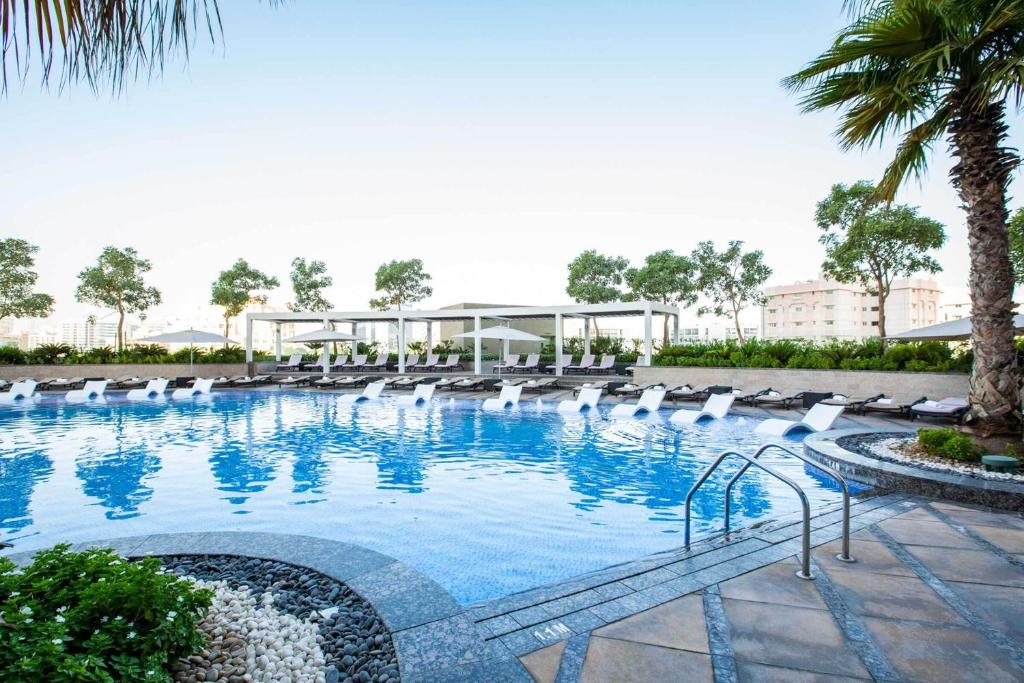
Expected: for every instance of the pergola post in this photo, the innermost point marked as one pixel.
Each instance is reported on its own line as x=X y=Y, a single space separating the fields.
x=586 y=336
x=430 y=337
x=648 y=341
x=505 y=346
x=248 y=339
x=477 y=348
x=277 y=342
x=355 y=342
x=325 y=356
x=401 y=344
x=558 y=344
x=675 y=329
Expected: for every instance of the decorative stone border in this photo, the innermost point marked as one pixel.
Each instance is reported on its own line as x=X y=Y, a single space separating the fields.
x=891 y=476
x=434 y=638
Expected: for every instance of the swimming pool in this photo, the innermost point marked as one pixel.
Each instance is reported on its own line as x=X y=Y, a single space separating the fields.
x=486 y=504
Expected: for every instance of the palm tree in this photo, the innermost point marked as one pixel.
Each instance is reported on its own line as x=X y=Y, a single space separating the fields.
x=101 y=41
x=925 y=70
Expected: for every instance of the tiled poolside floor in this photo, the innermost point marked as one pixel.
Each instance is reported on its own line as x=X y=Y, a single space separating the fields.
x=936 y=594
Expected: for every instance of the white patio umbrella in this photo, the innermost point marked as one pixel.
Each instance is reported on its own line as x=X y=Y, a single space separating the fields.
x=190 y=337
x=505 y=334
x=951 y=330
x=324 y=336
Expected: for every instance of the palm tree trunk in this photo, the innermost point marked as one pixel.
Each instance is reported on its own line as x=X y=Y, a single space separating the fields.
x=981 y=177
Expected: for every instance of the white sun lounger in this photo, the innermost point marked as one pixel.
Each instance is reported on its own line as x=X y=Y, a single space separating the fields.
x=422 y=394
x=716 y=407
x=93 y=389
x=201 y=387
x=293 y=362
x=587 y=398
x=154 y=389
x=509 y=396
x=819 y=418
x=649 y=402
x=371 y=392
x=19 y=391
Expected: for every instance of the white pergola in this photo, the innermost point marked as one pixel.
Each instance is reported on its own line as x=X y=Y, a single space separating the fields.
x=506 y=315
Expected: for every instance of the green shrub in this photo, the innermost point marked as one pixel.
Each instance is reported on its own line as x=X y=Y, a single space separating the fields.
x=934 y=438
x=92 y=616
x=12 y=355
x=947 y=442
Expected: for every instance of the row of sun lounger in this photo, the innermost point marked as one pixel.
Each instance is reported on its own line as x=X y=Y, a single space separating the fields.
x=90 y=390
x=362 y=362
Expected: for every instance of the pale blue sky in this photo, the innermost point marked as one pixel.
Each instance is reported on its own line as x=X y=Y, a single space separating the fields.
x=493 y=140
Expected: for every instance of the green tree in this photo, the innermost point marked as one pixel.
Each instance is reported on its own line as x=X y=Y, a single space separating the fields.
x=871 y=243
x=116 y=281
x=595 y=279
x=925 y=70
x=667 y=277
x=1017 y=245
x=731 y=279
x=17 y=300
x=402 y=282
x=309 y=280
x=239 y=286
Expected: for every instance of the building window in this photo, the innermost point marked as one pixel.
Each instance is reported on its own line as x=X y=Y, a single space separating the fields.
x=874 y=323
x=798 y=309
x=797 y=324
x=829 y=307
x=830 y=322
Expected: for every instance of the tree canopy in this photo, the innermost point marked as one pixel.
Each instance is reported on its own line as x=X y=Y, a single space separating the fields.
x=309 y=280
x=871 y=243
x=237 y=287
x=116 y=282
x=17 y=280
x=595 y=278
x=731 y=279
x=402 y=282
x=667 y=277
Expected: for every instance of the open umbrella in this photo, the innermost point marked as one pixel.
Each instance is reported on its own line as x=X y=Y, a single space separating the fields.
x=324 y=336
x=951 y=330
x=506 y=334
x=190 y=337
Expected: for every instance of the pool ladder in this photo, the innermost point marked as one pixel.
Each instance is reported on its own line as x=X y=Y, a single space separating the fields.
x=805 y=563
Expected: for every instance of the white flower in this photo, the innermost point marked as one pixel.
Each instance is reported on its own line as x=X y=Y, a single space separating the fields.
x=26 y=610
x=118 y=618
x=131 y=635
x=82 y=575
x=29 y=620
x=59 y=619
x=15 y=594
x=171 y=615
x=62 y=608
x=57 y=641
x=181 y=599
x=105 y=619
x=100 y=580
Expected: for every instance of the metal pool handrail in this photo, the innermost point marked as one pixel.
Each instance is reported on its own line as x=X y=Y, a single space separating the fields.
x=805 y=565
x=844 y=556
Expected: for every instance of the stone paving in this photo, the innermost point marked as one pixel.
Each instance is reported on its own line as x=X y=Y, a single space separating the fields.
x=936 y=594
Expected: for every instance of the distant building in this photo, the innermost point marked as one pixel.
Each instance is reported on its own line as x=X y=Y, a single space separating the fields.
x=84 y=335
x=957 y=311
x=824 y=309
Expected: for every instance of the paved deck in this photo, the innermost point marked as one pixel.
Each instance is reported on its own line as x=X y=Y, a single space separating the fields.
x=937 y=594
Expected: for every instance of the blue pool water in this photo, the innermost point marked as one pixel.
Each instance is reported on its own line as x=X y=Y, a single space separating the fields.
x=486 y=504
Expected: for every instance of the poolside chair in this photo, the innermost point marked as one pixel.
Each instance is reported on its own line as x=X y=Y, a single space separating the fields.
x=641 y=362
x=61 y=383
x=316 y=365
x=498 y=386
x=890 y=406
x=606 y=364
x=849 y=403
x=510 y=364
x=294 y=363
x=340 y=361
x=405 y=382
x=586 y=362
x=379 y=363
x=562 y=363
x=411 y=361
x=686 y=392
x=950 y=408
x=127 y=382
x=531 y=363
x=461 y=383
x=93 y=389
x=422 y=394
x=324 y=382
x=603 y=386
x=509 y=396
x=200 y=388
x=371 y=392
x=290 y=381
x=451 y=363
x=539 y=385
x=19 y=391
x=361 y=380
x=252 y=381
x=716 y=407
x=429 y=364
x=818 y=419
x=635 y=389
x=154 y=389
x=649 y=402
x=587 y=398
x=358 y=361
x=773 y=397
x=225 y=381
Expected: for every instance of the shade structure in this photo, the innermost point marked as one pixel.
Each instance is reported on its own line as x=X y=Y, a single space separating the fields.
x=324 y=336
x=505 y=333
x=951 y=330
x=190 y=337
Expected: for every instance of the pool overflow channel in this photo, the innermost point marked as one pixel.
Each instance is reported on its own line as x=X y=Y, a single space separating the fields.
x=805 y=559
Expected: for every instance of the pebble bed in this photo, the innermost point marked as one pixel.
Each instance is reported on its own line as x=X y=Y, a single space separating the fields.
x=272 y=621
x=891 y=447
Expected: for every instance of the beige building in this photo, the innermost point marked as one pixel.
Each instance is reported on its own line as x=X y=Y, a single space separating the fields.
x=824 y=309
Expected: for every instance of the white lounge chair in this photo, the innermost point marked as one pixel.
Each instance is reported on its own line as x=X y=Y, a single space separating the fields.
x=511 y=362
x=371 y=392
x=19 y=391
x=716 y=407
x=94 y=388
x=561 y=363
x=532 y=362
x=606 y=364
x=586 y=362
x=587 y=398
x=155 y=388
x=509 y=396
x=294 y=362
x=422 y=394
x=200 y=388
x=949 y=408
x=358 y=361
x=649 y=402
x=819 y=418
x=452 y=362
x=340 y=361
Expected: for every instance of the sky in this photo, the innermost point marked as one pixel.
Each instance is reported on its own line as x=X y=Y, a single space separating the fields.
x=495 y=141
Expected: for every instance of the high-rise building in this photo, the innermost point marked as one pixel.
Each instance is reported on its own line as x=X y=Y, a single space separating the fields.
x=824 y=309
x=89 y=335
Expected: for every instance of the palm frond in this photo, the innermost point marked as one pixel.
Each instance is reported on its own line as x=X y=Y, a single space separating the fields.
x=911 y=157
